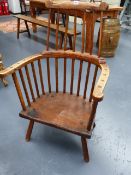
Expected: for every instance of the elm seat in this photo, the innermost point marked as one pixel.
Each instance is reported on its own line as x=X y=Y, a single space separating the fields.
x=68 y=112
x=66 y=108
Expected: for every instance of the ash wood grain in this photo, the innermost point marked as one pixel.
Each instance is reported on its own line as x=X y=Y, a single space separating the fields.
x=66 y=29
x=79 y=77
x=64 y=78
x=29 y=82
x=70 y=114
x=41 y=77
x=87 y=79
x=19 y=92
x=72 y=76
x=35 y=79
x=48 y=74
x=76 y=5
x=24 y=86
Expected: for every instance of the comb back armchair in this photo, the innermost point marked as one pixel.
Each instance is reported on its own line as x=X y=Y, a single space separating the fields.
x=65 y=102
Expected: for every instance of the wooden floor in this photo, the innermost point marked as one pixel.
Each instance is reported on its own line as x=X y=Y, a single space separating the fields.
x=65 y=111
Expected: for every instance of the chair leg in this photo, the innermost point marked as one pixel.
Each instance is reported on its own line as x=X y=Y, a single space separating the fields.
x=29 y=130
x=85 y=149
x=18 y=27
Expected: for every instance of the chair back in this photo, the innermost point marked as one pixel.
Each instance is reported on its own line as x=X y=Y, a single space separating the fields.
x=63 y=71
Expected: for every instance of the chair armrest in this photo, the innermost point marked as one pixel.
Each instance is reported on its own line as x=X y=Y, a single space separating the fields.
x=99 y=88
x=9 y=70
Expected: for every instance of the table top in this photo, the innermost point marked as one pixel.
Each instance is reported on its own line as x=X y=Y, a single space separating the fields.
x=77 y=4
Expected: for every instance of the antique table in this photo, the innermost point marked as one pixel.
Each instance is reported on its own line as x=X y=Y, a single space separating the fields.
x=94 y=12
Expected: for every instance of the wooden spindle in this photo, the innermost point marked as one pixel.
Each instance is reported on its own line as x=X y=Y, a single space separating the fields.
x=72 y=76
x=41 y=77
x=35 y=79
x=64 y=83
x=65 y=47
x=87 y=79
x=48 y=31
x=92 y=35
x=83 y=33
x=29 y=82
x=57 y=29
x=100 y=37
x=93 y=83
x=48 y=74
x=82 y=50
x=47 y=48
x=79 y=78
x=19 y=92
x=66 y=29
x=24 y=86
x=75 y=24
x=56 y=60
x=56 y=72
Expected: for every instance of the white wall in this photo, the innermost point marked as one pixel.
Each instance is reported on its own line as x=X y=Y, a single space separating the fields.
x=112 y=2
x=14 y=6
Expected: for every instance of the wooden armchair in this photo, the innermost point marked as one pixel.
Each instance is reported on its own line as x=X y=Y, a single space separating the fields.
x=52 y=94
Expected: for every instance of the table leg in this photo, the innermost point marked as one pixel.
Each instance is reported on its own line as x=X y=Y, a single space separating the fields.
x=90 y=24
x=33 y=14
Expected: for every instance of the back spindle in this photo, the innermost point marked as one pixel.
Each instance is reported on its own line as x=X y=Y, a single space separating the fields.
x=66 y=29
x=29 y=82
x=87 y=79
x=56 y=59
x=48 y=30
x=64 y=79
x=74 y=47
x=65 y=47
x=18 y=89
x=57 y=28
x=41 y=76
x=100 y=37
x=79 y=77
x=47 y=48
x=56 y=73
x=24 y=87
x=83 y=33
x=75 y=28
x=35 y=79
x=72 y=76
x=48 y=74
x=82 y=50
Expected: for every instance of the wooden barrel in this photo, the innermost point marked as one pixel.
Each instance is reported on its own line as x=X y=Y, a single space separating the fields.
x=110 y=37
